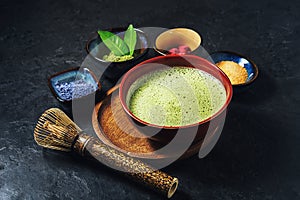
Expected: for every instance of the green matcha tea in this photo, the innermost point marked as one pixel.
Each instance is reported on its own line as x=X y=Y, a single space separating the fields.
x=176 y=96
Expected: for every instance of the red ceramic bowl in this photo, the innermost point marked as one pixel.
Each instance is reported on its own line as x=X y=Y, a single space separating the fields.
x=165 y=134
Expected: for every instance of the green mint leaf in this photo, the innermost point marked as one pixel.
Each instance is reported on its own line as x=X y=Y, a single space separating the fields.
x=114 y=43
x=130 y=38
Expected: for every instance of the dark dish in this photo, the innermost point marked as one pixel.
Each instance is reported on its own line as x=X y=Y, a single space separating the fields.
x=73 y=84
x=114 y=70
x=243 y=61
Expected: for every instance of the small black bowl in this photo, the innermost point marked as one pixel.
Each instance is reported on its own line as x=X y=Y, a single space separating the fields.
x=73 y=84
x=115 y=70
x=249 y=65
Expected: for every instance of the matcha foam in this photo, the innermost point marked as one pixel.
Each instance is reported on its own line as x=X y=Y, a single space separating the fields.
x=176 y=96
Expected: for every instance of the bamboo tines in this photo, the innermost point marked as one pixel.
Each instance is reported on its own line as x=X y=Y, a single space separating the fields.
x=55 y=130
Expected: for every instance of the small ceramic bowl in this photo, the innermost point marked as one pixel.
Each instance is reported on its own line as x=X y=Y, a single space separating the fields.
x=73 y=84
x=175 y=37
x=243 y=61
x=165 y=134
x=114 y=70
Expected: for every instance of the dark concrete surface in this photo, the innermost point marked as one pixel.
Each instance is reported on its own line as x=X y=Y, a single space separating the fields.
x=257 y=156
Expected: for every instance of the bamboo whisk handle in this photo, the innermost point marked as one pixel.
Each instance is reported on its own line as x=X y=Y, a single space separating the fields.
x=139 y=171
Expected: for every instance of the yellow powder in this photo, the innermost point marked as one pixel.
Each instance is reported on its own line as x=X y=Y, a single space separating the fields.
x=236 y=73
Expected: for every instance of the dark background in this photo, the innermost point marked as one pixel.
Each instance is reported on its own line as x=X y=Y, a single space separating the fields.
x=257 y=156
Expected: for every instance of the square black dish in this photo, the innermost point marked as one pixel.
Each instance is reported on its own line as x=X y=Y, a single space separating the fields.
x=73 y=84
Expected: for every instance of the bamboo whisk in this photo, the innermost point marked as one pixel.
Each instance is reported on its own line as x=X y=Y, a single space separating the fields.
x=55 y=130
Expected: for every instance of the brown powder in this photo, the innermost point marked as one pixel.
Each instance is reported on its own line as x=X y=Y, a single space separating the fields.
x=236 y=73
